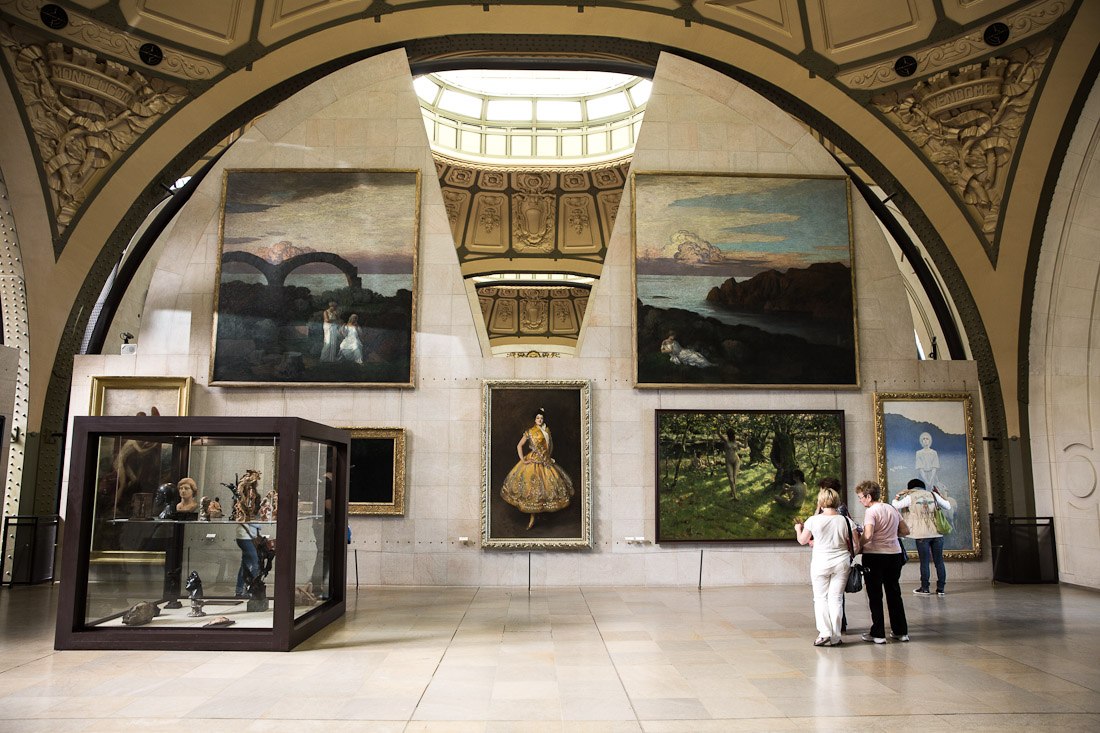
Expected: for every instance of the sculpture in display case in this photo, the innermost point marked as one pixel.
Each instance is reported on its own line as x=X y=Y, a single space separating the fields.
x=126 y=572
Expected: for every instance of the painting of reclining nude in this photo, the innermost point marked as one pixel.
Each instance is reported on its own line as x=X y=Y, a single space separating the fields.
x=743 y=281
x=317 y=277
x=726 y=475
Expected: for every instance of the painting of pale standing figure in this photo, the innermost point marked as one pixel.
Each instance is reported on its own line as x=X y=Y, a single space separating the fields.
x=929 y=436
x=317 y=277
x=536 y=492
x=743 y=280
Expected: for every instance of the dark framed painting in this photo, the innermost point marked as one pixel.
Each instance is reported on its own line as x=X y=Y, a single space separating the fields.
x=743 y=280
x=377 y=462
x=317 y=278
x=536 y=472
x=730 y=475
x=930 y=436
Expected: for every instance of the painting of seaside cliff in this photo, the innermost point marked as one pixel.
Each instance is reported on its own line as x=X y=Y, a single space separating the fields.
x=316 y=277
x=743 y=281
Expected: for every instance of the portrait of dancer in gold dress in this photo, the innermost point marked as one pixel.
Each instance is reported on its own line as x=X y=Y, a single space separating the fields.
x=537 y=484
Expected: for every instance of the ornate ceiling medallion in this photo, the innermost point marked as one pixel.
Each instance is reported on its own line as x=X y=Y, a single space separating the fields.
x=84 y=111
x=967 y=123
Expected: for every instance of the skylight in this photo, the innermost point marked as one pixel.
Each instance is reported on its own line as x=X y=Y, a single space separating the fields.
x=542 y=117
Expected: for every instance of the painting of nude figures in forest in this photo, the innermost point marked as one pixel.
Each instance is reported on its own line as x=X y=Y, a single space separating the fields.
x=727 y=475
x=743 y=280
x=317 y=277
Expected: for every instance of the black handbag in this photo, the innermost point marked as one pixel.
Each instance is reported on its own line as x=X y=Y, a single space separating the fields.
x=855 y=571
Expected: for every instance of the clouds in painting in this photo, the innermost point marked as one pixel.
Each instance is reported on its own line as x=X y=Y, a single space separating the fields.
x=363 y=216
x=744 y=224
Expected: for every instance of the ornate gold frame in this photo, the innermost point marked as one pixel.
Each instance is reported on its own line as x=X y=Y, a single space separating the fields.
x=582 y=483
x=634 y=282
x=966 y=404
x=101 y=385
x=415 y=243
x=390 y=508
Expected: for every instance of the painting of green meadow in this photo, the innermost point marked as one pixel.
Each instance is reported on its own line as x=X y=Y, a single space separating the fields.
x=725 y=475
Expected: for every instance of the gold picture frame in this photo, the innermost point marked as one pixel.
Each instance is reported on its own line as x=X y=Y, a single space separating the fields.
x=123 y=396
x=556 y=464
x=948 y=461
x=377 y=465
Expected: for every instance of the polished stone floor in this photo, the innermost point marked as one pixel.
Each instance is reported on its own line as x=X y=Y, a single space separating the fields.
x=466 y=660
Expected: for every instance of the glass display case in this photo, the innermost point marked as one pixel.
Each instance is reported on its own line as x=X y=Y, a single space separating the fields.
x=202 y=533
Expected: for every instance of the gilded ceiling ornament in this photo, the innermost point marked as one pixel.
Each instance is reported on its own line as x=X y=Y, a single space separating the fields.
x=99 y=37
x=967 y=123
x=1028 y=21
x=577 y=206
x=489 y=218
x=85 y=113
x=533 y=213
x=533 y=315
x=452 y=204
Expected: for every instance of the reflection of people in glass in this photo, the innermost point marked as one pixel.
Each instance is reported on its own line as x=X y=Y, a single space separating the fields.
x=537 y=484
x=927 y=460
x=250 y=559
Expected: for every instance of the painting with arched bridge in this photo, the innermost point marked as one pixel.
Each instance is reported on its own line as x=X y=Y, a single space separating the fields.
x=317 y=277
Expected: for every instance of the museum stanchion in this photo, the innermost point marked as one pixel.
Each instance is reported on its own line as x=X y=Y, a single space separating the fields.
x=31 y=542
x=1023 y=549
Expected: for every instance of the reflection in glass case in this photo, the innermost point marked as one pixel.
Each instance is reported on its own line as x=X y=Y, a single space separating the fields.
x=192 y=533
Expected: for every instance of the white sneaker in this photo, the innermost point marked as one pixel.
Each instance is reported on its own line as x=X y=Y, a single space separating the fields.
x=874 y=639
x=903 y=637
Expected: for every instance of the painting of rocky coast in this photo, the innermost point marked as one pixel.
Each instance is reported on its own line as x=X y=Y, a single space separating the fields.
x=743 y=281
x=316 y=277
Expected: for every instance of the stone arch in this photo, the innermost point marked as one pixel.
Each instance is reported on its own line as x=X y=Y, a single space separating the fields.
x=276 y=274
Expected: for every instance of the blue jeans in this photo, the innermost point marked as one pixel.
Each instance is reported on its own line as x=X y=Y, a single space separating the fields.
x=931 y=548
x=250 y=562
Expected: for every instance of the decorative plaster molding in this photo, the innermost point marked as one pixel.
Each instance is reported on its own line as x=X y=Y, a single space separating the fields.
x=85 y=112
x=966 y=123
x=1025 y=23
x=84 y=31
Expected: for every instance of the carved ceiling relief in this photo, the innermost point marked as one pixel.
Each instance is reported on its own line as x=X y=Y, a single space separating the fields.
x=526 y=312
x=84 y=113
x=967 y=124
x=531 y=212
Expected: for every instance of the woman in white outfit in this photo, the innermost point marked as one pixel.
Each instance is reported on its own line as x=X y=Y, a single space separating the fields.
x=829 y=565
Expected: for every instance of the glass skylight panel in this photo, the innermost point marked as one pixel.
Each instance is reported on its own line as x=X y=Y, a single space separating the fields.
x=471 y=141
x=555 y=110
x=496 y=145
x=447 y=136
x=425 y=88
x=597 y=143
x=521 y=146
x=459 y=103
x=508 y=110
x=640 y=92
x=608 y=105
x=571 y=146
x=547 y=146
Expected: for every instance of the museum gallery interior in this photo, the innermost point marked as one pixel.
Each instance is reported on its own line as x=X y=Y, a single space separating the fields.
x=437 y=366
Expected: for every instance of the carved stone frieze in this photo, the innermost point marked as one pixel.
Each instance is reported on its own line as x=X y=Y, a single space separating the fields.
x=967 y=122
x=83 y=31
x=533 y=222
x=1024 y=23
x=85 y=112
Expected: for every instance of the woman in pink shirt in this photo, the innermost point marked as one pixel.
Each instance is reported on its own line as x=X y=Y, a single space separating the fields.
x=882 y=558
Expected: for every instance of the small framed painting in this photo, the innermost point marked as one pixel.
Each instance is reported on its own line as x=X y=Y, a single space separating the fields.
x=377 y=461
x=126 y=396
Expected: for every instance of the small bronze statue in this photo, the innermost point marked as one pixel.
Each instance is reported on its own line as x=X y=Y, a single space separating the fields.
x=194 y=587
x=165 y=500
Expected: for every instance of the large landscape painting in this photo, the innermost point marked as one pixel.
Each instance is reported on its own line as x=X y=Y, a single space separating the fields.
x=317 y=275
x=725 y=475
x=743 y=280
